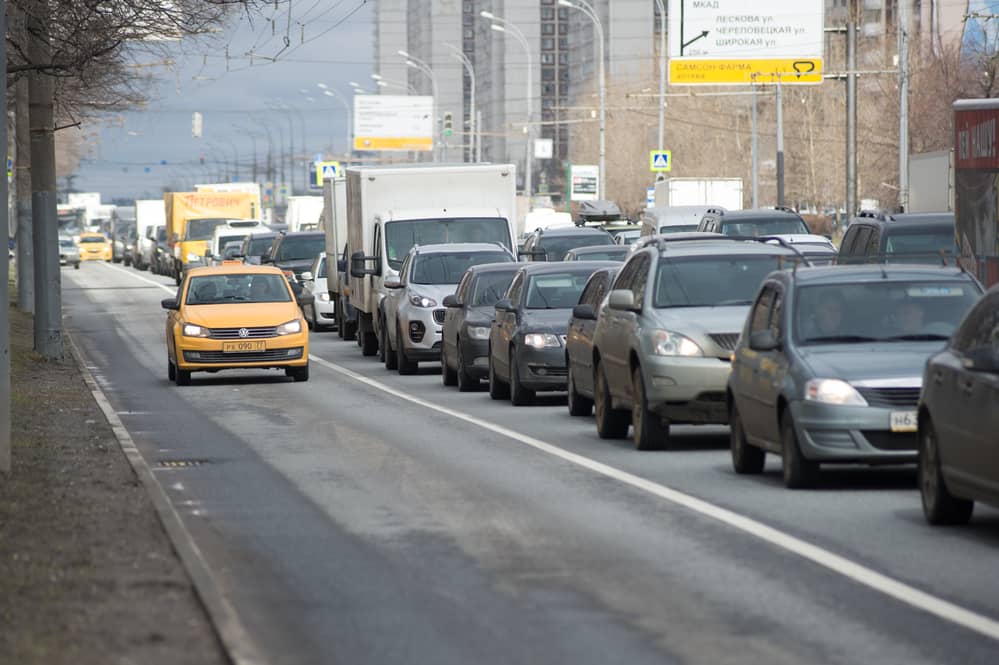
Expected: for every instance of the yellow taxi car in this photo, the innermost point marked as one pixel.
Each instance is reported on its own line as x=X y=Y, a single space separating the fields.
x=235 y=316
x=94 y=247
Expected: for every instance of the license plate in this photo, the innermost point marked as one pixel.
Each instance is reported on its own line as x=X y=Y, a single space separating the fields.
x=904 y=421
x=243 y=347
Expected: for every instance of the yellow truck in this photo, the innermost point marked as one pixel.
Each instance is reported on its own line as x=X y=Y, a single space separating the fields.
x=192 y=218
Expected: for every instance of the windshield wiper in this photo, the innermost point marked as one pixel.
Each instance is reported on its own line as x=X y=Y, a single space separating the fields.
x=917 y=337
x=848 y=339
x=728 y=303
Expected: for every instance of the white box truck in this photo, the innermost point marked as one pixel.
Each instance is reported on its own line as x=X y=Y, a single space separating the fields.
x=149 y=213
x=931 y=182
x=724 y=192
x=303 y=213
x=392 y=208
x=333 y=222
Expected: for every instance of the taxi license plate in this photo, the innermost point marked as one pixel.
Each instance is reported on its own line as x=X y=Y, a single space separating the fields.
x=243 y=347
x=904 y=421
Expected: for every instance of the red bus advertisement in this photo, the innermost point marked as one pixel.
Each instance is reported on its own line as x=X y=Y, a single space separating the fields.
x=976 y=186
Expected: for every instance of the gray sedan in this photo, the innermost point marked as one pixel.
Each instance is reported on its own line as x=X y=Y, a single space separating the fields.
x=579 y=341
x=829 y=365
x=527 y=338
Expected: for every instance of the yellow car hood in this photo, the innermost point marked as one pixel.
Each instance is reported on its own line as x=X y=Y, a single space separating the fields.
x=241 y=315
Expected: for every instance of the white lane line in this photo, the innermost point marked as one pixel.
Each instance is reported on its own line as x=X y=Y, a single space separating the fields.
x=130 y=273
x=838 y=564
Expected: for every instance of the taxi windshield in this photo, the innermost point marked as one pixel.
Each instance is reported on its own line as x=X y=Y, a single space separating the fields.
x=93 y=239
x=237 y=288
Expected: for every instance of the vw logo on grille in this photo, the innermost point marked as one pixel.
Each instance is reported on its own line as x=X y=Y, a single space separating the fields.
x=243 y=332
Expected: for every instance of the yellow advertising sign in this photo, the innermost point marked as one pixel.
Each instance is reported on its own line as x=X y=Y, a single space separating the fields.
x=789 y=71
x=417 y=143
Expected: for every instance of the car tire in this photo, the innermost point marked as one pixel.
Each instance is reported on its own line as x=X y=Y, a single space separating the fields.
x=611 y=423
x=466 y=382
x=171 y=371
x=650 y=431
x=798 y=471
x=310 y=322
x=339 y=318
x=578 y=404
x=178 y=278
x=519 y=395
x=298 y=374
x=940 y=507
x=497 y=389
x=76 y=266
x=388 y=354
x=449 y=377
x=369 y=343
x=349 y=330
x=747 y=459
x=407 y=367
x=182 y=377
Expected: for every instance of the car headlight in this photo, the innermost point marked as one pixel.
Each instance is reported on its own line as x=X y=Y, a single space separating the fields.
x=191 y=330
x=833 y=391
x=325 y=297
x=666 y=343
x=541 y=340
x=478 y=332
x=192 y=257
x=290 y=328
x=417 y=300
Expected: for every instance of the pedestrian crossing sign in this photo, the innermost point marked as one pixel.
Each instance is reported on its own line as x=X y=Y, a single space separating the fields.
x=660 y=161
x=326 y=171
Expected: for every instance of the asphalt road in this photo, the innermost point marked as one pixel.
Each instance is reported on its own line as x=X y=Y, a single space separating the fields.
x=365 y=517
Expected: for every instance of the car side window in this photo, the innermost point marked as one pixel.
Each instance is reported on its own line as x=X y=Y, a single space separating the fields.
x=591 y=294
x=404 y=270
x=981 y=327
x=873 y=243
x=640 y=278
x=377 y=249
x=461 y=293
x=627 y=275
x=759 y=319
x=776 y=312
x=516 y=289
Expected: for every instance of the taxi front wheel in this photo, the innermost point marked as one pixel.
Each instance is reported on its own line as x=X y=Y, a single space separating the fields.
x=299 y=374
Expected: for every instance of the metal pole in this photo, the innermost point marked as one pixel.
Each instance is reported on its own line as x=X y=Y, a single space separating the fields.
x=756 y=154
x=4 y=296
x=903 y=115
x=851 y=113
x=467 y=64
x=502 y=25
x=780 y=144
x=48 y=284
x=22 y=177
x=662 y=72
x=478 y=138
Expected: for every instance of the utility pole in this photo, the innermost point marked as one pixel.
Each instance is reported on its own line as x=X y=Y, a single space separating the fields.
x=756 y=153
x=22 y=184
x=780 y=143
x=903 y=114
x=851 y=112
x=4 y=270
x=48 y=282
x=661 y=6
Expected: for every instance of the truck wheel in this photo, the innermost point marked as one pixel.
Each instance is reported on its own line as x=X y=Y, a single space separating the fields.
x=367 y=339
x=339 y=317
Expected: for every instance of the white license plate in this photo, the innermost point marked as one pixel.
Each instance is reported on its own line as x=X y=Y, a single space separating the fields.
x=904 y=421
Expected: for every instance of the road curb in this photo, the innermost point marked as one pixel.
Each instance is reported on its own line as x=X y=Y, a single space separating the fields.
x=233 y=635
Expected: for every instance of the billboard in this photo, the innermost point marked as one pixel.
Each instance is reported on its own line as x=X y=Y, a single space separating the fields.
x=722 y=42
x=583 y=179
x=393 y=122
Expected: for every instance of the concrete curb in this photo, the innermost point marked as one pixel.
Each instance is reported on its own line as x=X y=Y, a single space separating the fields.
x=235 y=639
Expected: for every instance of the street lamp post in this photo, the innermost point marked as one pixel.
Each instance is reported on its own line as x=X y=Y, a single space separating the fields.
x=502 y=25
x=661 y=6
x=587 y=9
x=383 y=82
x=422 y=66
x=472 y=128
x=348 y=111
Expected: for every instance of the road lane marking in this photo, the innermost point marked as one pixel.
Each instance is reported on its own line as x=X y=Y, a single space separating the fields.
x=171 y=291
x=836 y=563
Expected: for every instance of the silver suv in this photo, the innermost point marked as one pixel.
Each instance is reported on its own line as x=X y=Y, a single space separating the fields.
x=663 y=342
x=413 y=311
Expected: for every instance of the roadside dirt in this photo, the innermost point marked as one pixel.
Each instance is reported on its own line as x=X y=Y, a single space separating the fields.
x=87 y=575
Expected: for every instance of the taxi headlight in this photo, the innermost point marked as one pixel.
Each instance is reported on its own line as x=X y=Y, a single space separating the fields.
x=325 y=297
x=833 y=391
x=191 y=330
x=192 y=257
x=290 y=328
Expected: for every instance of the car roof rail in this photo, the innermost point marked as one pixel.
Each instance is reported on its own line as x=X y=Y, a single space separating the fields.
x=715 y=211
x=872 y=214
x=662 y=240
x=780 y=241
x=786 y=209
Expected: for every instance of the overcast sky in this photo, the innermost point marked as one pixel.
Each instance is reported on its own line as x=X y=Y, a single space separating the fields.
x=127 y=159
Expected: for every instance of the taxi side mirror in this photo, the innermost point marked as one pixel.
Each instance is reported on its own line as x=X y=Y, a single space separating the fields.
x=170 y=303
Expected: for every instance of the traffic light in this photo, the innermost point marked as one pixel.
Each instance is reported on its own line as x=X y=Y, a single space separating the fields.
x=448 y=123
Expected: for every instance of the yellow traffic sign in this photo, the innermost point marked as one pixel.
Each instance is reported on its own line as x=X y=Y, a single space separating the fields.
x=788 y=71
x=660 y=161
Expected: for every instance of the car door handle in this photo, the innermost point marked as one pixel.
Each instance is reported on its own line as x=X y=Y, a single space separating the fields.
x=967 y=386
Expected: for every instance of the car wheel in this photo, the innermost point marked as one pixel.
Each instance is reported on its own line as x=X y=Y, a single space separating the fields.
x=182 y=377
x=578 y=405
x=449 y=377
x=349 y=330
x=178 y=278
x=387 y=353
x=171 y=371
x=76 y=266
x=310 y=317
x=799 y=472
x=611 y=423
x=939 y=505
x=339 y=318
x=466 y=382
x=298 y=374
x=746 y=458
x=369 y=343
x=519 y=395
x=407 y=367
x=497 y=389
x=650 y=431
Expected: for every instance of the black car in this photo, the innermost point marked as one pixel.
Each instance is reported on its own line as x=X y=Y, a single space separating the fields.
x=295 y=252
x=959 y=419
x=579 y=341
x=552 y=244
x=902 y=238
x=598 y=253
x=257 y=245
x=527 y=337
x=753 y=223
x=465 y=347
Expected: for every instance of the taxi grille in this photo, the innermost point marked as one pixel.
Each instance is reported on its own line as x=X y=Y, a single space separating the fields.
x=251 y=333
x=891 y=397
x=439 y=315
x=725 y=341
